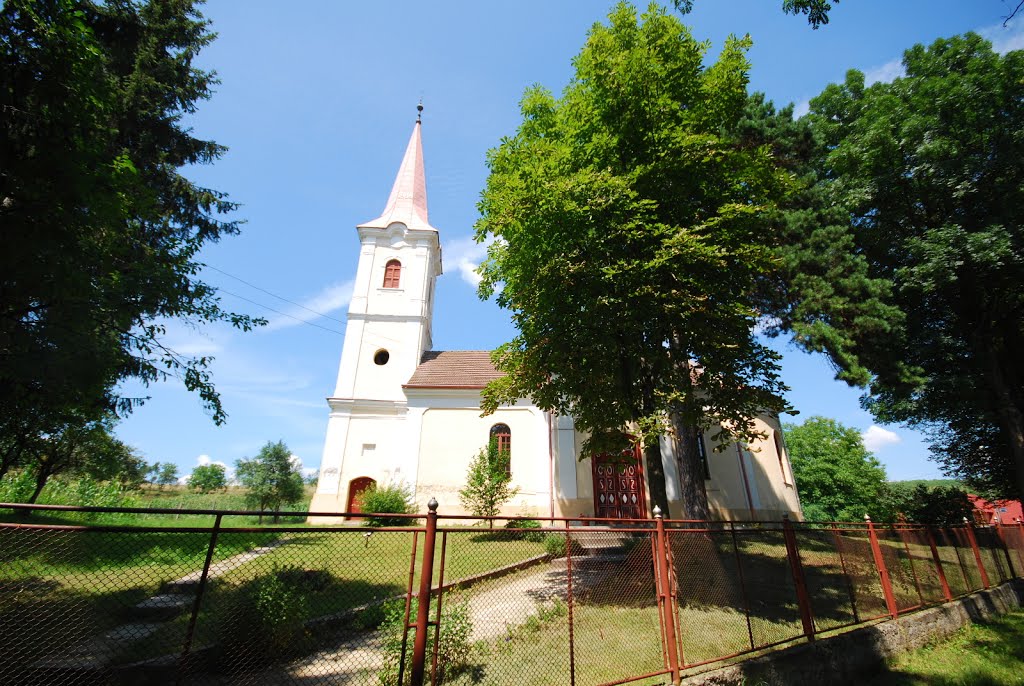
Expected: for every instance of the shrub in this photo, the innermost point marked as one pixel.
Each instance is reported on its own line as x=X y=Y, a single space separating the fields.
x=264 y=620
x=488 y=482
x=554 y=545
x=390 y=499
x=453 y=647
x=81 y=491
x=535 y=535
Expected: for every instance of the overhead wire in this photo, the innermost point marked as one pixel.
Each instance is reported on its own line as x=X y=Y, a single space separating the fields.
x=283 y=314
x=264 y=290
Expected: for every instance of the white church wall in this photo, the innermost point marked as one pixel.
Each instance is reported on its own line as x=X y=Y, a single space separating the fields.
x=453 y=432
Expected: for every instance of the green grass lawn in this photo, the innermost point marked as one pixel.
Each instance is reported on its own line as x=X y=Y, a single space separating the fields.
x=982 y=654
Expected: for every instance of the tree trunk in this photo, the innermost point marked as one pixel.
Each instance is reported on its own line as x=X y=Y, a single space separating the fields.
x=41 y=477
x=692 y=487
x=656 y=476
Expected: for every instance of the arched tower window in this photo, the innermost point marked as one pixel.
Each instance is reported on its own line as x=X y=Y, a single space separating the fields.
x=502 y=437
x=392 y=274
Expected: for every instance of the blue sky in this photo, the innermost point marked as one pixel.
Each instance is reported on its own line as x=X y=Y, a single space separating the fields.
x=316 y=104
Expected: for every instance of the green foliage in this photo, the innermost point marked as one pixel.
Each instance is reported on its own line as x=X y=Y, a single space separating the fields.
x=631 y=228
x=838 y=479
x=206 y=478
x=263 y=620
x=533 y=533
x=927 y=170
x=488 y=482
x=554 y=545
x=816 y=10
x=389 y=499
x=167 y=475
x=937 y=506
x=81 y=491
x=273 y=479
x=453 y=648
x=101 y=230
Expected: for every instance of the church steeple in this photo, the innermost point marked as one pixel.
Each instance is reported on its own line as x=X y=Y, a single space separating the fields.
x=408 y=200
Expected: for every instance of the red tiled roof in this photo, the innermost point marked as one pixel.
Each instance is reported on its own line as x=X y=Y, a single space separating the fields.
x=1008 y=510
x=454 y=369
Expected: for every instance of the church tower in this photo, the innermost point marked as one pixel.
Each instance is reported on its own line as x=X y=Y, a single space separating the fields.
x=388 y=329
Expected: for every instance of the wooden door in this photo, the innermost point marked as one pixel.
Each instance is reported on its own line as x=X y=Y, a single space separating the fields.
x=355 y=489
x=619 y=486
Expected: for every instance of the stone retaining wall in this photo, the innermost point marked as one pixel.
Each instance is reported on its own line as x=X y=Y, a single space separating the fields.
x=850 y=657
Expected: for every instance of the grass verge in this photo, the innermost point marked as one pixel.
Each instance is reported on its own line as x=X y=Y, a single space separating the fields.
x=983 y=654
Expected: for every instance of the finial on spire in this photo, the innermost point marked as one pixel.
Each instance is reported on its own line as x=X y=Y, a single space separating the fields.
x=419 y=111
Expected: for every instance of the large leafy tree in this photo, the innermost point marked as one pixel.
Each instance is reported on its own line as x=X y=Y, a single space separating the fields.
x=930 y=172
x=272 y=478
x=101 y=230
x=631 y=228
x=838 y=479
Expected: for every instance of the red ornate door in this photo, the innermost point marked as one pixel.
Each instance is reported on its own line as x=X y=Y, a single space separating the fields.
x=619 y=486
x=355 y=489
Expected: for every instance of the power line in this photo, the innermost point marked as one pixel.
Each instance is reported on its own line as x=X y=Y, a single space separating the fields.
x=284 y=314
x=264 y=290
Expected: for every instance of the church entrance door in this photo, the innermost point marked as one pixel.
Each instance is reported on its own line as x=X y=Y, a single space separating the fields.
x=355 y=489
x=619 y=486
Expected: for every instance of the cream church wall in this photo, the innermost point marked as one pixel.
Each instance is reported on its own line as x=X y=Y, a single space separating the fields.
x=453 y=433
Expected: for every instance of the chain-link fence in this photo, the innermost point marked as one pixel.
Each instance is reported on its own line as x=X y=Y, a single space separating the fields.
x=504 y=601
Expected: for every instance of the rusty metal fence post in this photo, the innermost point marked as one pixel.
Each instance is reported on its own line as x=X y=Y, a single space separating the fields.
x=946 y=593
x=664 y=584
x=419 y=646
x=1001 y=540
x=200 y=589
x=883 y=572
x=969 y=526
x=799 y=581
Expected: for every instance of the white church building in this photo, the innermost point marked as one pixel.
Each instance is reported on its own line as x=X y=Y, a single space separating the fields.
x=403 y=412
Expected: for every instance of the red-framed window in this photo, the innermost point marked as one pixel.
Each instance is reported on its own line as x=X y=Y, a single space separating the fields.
x=502 y=437
x=392 y=274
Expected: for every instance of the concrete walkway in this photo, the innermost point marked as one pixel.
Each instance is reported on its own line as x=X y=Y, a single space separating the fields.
x=97 y=652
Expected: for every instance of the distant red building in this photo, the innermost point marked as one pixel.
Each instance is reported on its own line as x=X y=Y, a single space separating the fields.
x=1008 y=511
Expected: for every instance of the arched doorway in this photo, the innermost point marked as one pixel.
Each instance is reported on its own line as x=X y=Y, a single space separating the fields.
x=355 y=489
x=619 y=486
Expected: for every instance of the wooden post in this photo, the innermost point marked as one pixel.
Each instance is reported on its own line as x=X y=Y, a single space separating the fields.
x=883 y=573
x=668 y=613
x=803 y=599
x=977 y=551
x=419 y=646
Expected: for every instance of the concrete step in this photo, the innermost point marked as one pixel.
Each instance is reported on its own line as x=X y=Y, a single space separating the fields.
x=164 y=606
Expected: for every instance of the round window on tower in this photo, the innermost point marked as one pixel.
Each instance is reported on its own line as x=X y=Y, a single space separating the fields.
x=381 y=357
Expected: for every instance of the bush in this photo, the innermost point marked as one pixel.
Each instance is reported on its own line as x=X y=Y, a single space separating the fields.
x=535 y=535
x=453 y=647
x=82 y=491
x=554 y=545
x=263 y=620
x=390 y=499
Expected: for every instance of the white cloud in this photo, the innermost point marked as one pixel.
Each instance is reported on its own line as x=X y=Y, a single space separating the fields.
x=330 y=299
x=801 y=108
x=875 y=438
x=305 y=471
x=466 y=255
x=886 y=73
x=1005 y=39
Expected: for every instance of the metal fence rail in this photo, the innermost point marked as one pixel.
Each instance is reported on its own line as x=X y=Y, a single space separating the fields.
x=452 y=600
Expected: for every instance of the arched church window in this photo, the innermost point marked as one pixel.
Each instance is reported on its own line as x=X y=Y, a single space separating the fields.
x=502 y=437
x=392 y=274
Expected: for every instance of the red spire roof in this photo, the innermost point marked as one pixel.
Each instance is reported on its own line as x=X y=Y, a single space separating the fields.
x=408 y=200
